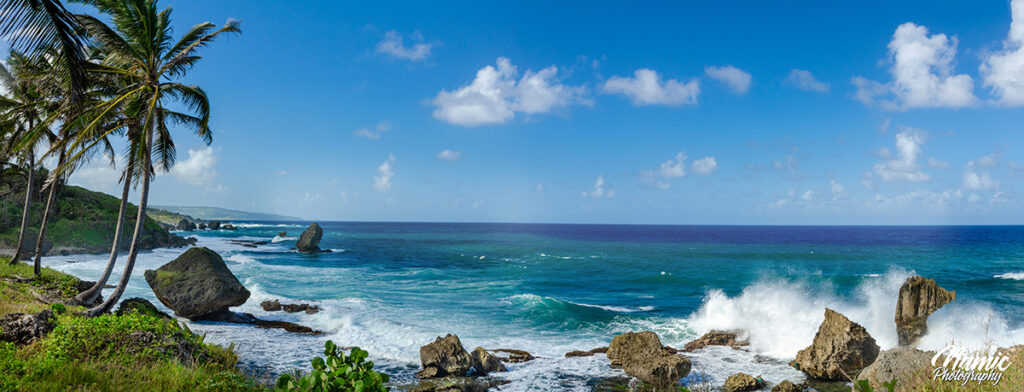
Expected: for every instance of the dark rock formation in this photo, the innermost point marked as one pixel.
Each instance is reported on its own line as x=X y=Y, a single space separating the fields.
x=741 y=382
x=309 y=241
x=444 y=357
x=919 y=298
x=185 y=225
x=197 y=283
x=580 y=353
x=484 y=362
x=22 y=328
x=247 y=318
x=228 y=227
x=641 y=355
x=275 y=305
x=214 y=225
x=140 y=306
x=282 y=234
x=508 y=355
x=714 y=338
x=202 y=226
x=787 y=386
x=839 y=346
x=455 y=384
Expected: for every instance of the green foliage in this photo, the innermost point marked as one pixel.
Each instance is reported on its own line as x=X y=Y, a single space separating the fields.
x=865 y=386
x=58 y=308
x=339 y=372
x=48 y=277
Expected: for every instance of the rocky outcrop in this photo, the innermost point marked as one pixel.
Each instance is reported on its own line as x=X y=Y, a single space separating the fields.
x=22 y=328
x=508 y=355
x=455 y=384
x=919 y=297
x=484 y=362
x=309 y=241
x=588 y=353
x=787 y=386
x=196 y=284
x=715 y=338
x=275 y=305
x=214 y=225
x=896 y=364
x=839 y=346
x=444 y=357
x=282 y=234
x=741 y=382
x=140 y=306
x=247 y=318
x=185 y=225
x=202 y=226
x=228 y=227
x=641 y=355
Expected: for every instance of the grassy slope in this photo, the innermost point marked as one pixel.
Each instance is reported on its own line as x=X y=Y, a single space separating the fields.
x=169 y=218
x=216 y=213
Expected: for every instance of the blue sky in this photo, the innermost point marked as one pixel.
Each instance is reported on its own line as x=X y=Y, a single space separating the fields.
x=748 y=113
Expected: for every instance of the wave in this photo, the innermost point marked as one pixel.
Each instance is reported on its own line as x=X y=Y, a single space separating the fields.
x=259 y=225
x=277 y=239
x=1011 y=276
x=549 y=309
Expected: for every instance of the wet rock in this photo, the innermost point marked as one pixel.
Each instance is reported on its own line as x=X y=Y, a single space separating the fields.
x=248 y=318
x=271 y=306
x=185 y=225
x=896 y=364
x=741 y=382
x=484 y=362
x=140 y=306
x=24 y=328
x=456 y=384
x=715 y=338
x=202 y=226
x=228 y=227
x=634 y=345
x=275 y=305
x=197 y=283
x=641 y=355
x=508 y=355
x=919 y=297
x=215 y=225
x=282 y=234
x=839 y=346
x=444 y=357
x=788 y=386
x=580 y=353
x=309 y=241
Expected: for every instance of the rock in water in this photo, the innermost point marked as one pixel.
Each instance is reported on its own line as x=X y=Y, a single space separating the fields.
x=215 y=225
x=484 y=362
x=897 y=364
x=919 y=298
x=839 y=346
x=309 y=241
x=634 y=345
x=21 y=328
x=197 y=283
x=185 y=225
x=282 y=234
x=444 y=357
x=715 y=338
x=741 y=382
x=787 y=386
x=641 y=355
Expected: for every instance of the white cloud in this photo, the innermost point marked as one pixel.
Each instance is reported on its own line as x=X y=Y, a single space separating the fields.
x=922 y=72
x=737 y=79
x=837 y=189
x=198 y=168
x=980 y=181
x=97 y=175
x=704 y=166
x=937 y=164
x=449 y=155
x=599 y=190
x=988 y=161
x=1003 y=71
x=494 y=96
x=393 y=45
x=904 y=167
x=375 y=132
x=808 y=196
x=382 y=181
x=675 y=167
x=805 y=80
x=647 y=88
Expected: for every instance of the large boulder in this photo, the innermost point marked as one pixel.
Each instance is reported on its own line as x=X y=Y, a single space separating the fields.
x=897 y=364
x=196 y=284
x=444 y=357
x=309 y=241
x=484 y=362
x=185 y=225
x=742 y=382
x=715 y=338
x=787 y=386
x=839 y=346
x=214 y=225
x=22 y=328
x=919 y=298
x=641 y=355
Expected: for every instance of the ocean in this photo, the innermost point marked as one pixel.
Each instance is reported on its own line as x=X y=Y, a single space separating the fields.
x=549 y=289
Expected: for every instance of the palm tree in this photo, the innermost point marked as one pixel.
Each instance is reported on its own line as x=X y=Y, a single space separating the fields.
x=34 y=26
x=142 y=53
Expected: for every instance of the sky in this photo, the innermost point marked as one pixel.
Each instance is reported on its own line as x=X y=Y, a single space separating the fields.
x=611 y=112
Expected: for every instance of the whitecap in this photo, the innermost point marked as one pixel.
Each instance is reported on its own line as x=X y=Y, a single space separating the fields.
x=1011 y=276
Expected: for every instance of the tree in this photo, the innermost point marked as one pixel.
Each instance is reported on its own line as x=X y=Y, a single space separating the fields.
x=34 y=26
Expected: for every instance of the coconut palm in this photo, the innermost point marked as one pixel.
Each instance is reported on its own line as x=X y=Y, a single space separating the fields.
x=34 y=26
x=139 y=49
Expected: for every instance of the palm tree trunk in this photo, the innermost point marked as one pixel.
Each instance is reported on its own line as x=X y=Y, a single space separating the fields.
x=140 y=223
x=25 y=211
x=37 y=265
x=90 y=295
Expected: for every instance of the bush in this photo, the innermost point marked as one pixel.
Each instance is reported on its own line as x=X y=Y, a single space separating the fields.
x=339 y=372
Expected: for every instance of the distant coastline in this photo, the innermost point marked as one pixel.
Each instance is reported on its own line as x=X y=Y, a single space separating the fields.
x=217 y=213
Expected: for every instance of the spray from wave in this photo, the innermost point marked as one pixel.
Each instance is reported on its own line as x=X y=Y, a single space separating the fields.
x=1011 y=276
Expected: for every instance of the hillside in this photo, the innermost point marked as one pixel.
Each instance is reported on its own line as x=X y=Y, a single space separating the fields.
x=168 y=218
x=216 y=213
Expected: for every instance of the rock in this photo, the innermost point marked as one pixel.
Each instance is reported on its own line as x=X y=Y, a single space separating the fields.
x=919 y=297
x=248 y=318
x=513 y=356
x=271 y=306
x=579 y=353
x=228 y=227
x=197 y=283
x=634 y=345
x=484 y=362
x=309 y=241
x=140 y=306
x=287 y=326
x=839 y=346
x=275 y=305
x=714 y=338
x=214 y=225
x=22 y=328
x=456 y=384
x=202 y=226
x=897 y=364
x=787 y=386
x=641 y=355
x=282 y=234
x=185 y=225
x=741 y=382
x=444 y=357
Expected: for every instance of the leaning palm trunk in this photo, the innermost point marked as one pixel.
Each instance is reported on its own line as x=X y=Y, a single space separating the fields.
x=133 y=251
x=90 y=295
x=37 y=265
x=25 y=211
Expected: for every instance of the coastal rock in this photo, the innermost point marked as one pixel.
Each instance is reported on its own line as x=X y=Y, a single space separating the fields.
x=641 y=355
x=444 y=357
x=919 y=297
x=275 y=305
x=715 y=338
x=896 y=364
x=484 y=362
x=197 y=283
x=741 y=382
x=580 y=353
x=271 y=306
x=247 y=318
x=214 y=225
x=140 y=306
x=282 y=234
x=22 y=328
x=309 y=241
x=185 y=225
x=456 y=384
x=634 y=345
x=202 y=226
x=228 y=227
x=512 y=356
x=787 y=386
x=839 y=346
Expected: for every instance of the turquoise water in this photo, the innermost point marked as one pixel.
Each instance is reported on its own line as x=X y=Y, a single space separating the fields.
x=549 y=289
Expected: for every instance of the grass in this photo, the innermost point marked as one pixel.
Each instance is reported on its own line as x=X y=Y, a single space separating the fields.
x=1012 y=380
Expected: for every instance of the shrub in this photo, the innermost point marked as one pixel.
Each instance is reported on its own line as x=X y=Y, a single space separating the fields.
x=339 y=372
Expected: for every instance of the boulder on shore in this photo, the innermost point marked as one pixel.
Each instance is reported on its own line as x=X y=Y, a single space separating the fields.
x=444 y=357
x=919 y=297
x=196 y=284
x=896 y=364
x=787 y=386
x=309 y=241
x=23 y=328
x=588 y=353
x=839 y=346
x=742 y=382
x=484 y=362
x=641 y=355
x=715 y=338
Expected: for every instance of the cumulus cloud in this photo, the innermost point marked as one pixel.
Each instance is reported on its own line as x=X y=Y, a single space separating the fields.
x=373 y=133
x=198 y=168
x=1003 y=71
x=806 y=81
x=599 y=190
x=97 y=175
x=382 y=181
x=705 y=166
x=737 y=79
x=977 y=180
x=449 y=155
x=904 y=167
x=393 y=45
x=922 y=73
x=495 y=96
x=807 y=196
x=647 y=88
x=675 y=167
